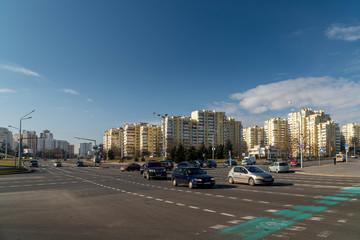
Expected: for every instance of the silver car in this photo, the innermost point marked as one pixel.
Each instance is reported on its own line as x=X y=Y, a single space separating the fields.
x=249 y=174
x=279 y=167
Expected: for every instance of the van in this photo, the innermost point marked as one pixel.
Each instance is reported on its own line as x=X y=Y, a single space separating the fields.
x=340 y=158
x=251 y=160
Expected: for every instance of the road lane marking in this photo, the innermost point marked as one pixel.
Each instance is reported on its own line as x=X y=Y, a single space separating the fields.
x=271 y=210
x=193 y=207
x=228 y=214
x=209 y=210
x=324 y=234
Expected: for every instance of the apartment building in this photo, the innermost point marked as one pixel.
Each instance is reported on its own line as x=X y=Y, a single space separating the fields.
x=276 y=134
x=328 y=138
x=85 y=150
x=253 y=136
x=150 y=140
x=233 y=132
x=351 y=134
x=312 y=133
x=114 y=140
x=181 y=130
x=132 y=139
x=29 y=141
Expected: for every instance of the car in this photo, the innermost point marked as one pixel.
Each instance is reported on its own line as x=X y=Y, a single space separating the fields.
x=246 y=162
x=233 y=163
x=130 y=167
x=249 y=174
x=200 y=163
x=279 y=167
x=340 y=157
x=34 y=163
x=57 y=164
x=184 y=164
x=166 y=165
x=80 y=164
x=153 y=169
x=171 y=163
x=210 y=164
x=270 y=160
x=193 y=177
x=193 y=164
x=295 y=163
x=354 y=156
x=251 y=159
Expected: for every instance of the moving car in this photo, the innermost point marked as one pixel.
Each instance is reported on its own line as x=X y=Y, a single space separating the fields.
x=210 y=164
x=270 y=160
x=153 y=169
x=279 y=167
x=184 y=164
x=130 y=167
x=166 y=165
x=249 y=174
x=251 y=159
x=193 y=177
x=233 y=163
x=80 y=164
x=246 y=162
x=295 y=163
x=340 y=158
x=57 y=164
x=34 y=163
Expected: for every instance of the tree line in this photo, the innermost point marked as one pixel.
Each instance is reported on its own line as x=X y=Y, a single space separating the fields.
x=180 y=153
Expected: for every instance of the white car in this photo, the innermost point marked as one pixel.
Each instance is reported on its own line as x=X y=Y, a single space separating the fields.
x=279 y=167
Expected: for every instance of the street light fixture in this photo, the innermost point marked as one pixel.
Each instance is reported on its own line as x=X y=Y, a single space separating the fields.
x=163 y=133
x=25 y=117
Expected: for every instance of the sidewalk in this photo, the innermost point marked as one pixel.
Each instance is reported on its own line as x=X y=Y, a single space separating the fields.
x=343 y=169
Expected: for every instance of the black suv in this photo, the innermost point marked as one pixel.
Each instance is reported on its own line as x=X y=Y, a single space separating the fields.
x=153 y=169
x=34 y=163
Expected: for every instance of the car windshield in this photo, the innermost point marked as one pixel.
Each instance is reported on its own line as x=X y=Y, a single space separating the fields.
x=255 y=170
x=195 y=171
x=155 y=164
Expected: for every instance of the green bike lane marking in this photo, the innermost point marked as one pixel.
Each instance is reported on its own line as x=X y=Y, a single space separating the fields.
x=263 y=226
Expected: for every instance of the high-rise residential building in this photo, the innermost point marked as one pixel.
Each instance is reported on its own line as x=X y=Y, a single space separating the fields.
x=233 y=132
x=6 y=138
x=85 y=149
x=180 y=130
x=210 y=127
x=276 y=134
x=312 y=133
x=351 y=134
x=328 y=138
x=29 y=141
x=114 y=140
x=45 y=142
x=150 y=140
x=132 y=139
x=253 y=136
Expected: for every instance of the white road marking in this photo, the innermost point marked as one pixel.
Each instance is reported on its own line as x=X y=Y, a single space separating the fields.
x=271 y=210
x=235 y=221
x=218 y=227
x=248 y=200
x=342 y=220
x=264 y=202
x=159 y=199
x=249 y=217
x=296 y=228
x=208 y=210
x=193 y=207
x=324 y=234
x=169 y=202
x=315 y=218
x=228 y=214
x=180 y=204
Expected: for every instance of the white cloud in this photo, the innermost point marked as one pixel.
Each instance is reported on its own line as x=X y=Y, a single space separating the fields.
x=19 y=70
x=6 y=90
x=347 y=33
x=338 y=97
x=70 y=91
x=89 y=100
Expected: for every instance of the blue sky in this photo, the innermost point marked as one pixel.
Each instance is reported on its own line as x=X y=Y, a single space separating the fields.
x=87 y=66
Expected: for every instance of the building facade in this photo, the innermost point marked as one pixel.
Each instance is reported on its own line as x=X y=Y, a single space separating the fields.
x=114 y=140
x=276 y=134
x=253 y=136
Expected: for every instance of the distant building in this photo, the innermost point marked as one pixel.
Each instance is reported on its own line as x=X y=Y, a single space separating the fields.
x=276 y=134
x=29 y=141
x=85 y=150
x=253 y=136
x=351 y=135
x=6 y=138
x=114 y=140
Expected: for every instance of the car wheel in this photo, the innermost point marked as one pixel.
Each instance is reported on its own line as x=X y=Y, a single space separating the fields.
x=148 y=177
x=231 y=180
x=174 y=182
x=191 y=185
x=269 y=170
x=277 y=171
x=144 y=176
x=251 y=182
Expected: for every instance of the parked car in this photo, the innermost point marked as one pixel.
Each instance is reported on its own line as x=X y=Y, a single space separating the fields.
x=249 y=174
x=153 y=169
x=295 y=163
x=279 y=167
x=171 y=163
x=246 y=162
x=233 y=163
x=166 y=165
x=34 y=163
x=200 y=163
x=210 y=164
x=193 y=177
x=130 y=167
x=194 y=164
x=57 y=164
x=80 y=164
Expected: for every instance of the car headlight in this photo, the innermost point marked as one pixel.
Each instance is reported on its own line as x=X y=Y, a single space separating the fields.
x=151 y=170
x=199 y=180
x=212 y=179
x=258 y=177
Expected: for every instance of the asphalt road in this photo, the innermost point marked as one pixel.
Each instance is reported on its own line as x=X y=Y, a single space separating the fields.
x=104 y=203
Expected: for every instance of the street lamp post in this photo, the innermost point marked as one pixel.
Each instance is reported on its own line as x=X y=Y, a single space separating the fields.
x=25 y=117
x=163 y=133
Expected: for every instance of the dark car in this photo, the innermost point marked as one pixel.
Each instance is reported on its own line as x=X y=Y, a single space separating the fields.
x=153 y=169
x=210 y=164
x=200 y=163
x=34 y=163
x=184 y=164
x=171 y=163
x=194 y=164
x=233 y=163
x=193 y=177
x=270 y=161
x=80 y=164
x=130 y=167
x=166 y=165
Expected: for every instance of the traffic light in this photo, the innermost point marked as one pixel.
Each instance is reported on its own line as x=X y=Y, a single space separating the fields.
x=16 y=153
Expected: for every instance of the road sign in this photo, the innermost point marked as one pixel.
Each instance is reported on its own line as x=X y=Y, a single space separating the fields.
x=321 y=150
x=302 y=146
x=230 y=158
x=261 y=152
x=346 y=147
